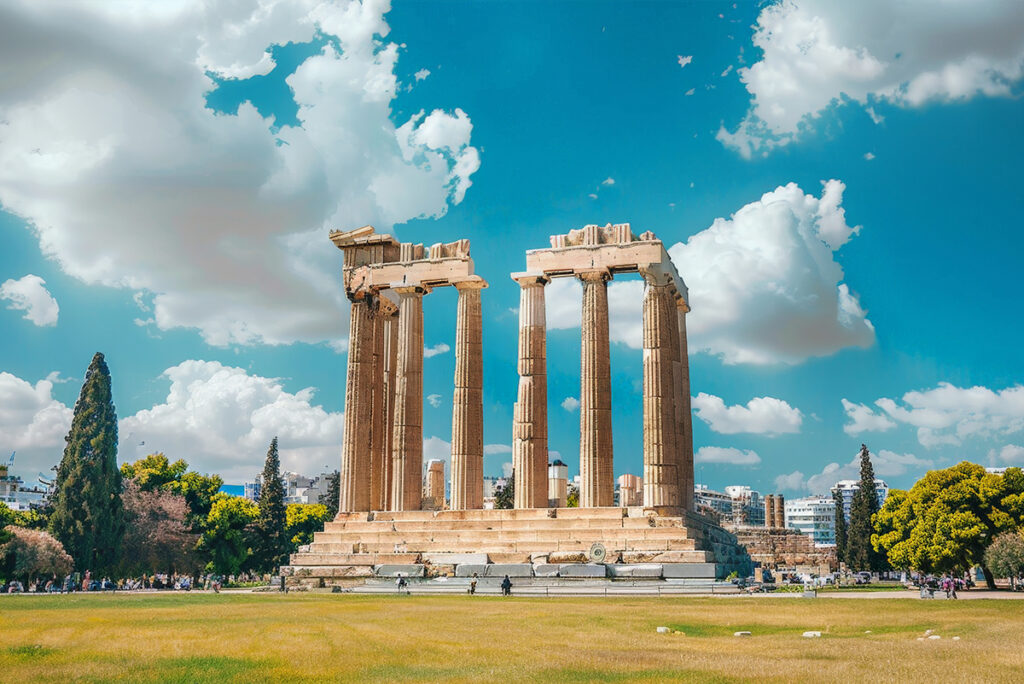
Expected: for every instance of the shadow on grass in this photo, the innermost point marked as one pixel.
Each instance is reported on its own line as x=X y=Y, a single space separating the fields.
x=199 y=669
x=30 y=651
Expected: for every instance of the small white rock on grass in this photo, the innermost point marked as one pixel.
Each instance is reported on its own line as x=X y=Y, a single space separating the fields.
x=741 y=634
x=664 y=630
x=812 y=635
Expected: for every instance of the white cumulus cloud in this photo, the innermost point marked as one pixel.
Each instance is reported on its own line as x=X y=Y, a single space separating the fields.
x=437 y=349
x=108 y=151
x=32 y=422
x=492 y=449
x=435 y=448
x=818 y=53
x=764 y=284
x=885 y=464
x=29 y=294
x=571 y=404
x=1011 y=454
x=683 y=60
x=727 y=455
x=434 y=400
x=864 y=419
x=761 y=415
x=948 y=415
x=221 y=420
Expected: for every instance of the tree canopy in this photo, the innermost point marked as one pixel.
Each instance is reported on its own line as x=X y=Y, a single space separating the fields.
x=227 y=538
x=948 y=518
x=1005 y=556
x=271 y=543
x=303 y=521
x=156 y=472
x=859 y=552
x=157 y=536
x=87 y=515
x=30 y=553
x=841 y=534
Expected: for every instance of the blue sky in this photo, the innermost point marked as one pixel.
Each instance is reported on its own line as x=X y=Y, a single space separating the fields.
x=841 y=200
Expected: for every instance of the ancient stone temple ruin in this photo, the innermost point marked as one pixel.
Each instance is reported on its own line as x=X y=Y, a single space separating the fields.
x=384 y=526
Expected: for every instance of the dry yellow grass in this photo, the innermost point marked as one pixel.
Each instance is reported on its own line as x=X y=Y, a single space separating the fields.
x=254 y=638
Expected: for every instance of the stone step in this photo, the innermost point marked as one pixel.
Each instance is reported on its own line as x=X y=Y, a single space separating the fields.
x=508 y=546
x=591 y=534
x=517 y=524
x=320 y=556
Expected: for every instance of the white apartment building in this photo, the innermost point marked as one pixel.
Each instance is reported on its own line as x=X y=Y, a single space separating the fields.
x=814 y=516
x=848 y=487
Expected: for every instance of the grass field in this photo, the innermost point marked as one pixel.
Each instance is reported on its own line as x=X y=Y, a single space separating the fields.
x=325 y=637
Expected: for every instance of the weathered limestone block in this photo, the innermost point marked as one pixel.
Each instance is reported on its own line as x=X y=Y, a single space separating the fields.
x=455 y=558
x=545 y=570
x=568 y=557
x=416 y=570
x=510 y=569
x=689 y=570
x=470 y=569
x=581 y=570
x=643 y=570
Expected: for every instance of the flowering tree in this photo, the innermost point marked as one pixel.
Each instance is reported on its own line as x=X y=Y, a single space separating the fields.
x=34 y=552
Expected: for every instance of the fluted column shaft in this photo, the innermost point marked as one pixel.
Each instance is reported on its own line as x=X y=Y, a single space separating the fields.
x=467 y=405
x=390 y=355
x=407 y=442
x=596 y=484
x=354 y=483
x=530 y=415
x=378 y=417
x=661 y=479
x=684 y=448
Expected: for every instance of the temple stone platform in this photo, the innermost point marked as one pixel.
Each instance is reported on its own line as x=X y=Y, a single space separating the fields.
x=572 y=543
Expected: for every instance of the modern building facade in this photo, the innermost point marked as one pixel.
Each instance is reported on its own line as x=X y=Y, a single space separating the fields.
x=814 y=516
x=849 y=487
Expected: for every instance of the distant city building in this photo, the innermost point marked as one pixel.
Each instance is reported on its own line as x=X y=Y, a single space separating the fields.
x=558 y=484
x=814 y=516
x=718 y=504
x=848 y=487
x=630 y=490
x=997 y=471
x=737 y=505
x=491 y=487
x=14 y=494
x=433 y=489
x=297 y=488
x=747 y=505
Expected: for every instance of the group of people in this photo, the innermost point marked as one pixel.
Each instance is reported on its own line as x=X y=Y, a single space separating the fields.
x=77 y=581
x=947 y=583
x=506 y=585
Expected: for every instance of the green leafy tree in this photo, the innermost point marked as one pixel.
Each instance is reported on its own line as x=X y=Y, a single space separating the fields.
x=33 y=519
x=947 y=520
x=333 y=496
x=228 y=535
x=572 y=497
x=272 y=542
x=154 y=471
x=504 y=497
x=1005 y=556
x=837 y=497
x=860 y=554
x=303 y=521
x=87 y=515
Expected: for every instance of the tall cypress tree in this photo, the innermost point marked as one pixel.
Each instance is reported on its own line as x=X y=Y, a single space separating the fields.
x=860 y=555
x=332 y=499
x=87 y=515
x=271 y=540
x=837 y=497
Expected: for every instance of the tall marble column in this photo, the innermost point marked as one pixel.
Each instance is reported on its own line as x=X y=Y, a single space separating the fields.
x=354 y=483
x=684 y=415
x=596 y=484
x=390 y=323
x=407 y=441
x=378 y=423
x=530 y=415
x=661 y=480
x=467 y=405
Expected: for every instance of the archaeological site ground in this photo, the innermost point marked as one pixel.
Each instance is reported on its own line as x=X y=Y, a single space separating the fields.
x=303 y=637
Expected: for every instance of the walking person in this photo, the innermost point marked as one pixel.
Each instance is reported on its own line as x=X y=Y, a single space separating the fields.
x=402 y=584
x=506 y=586
x=472 y=585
